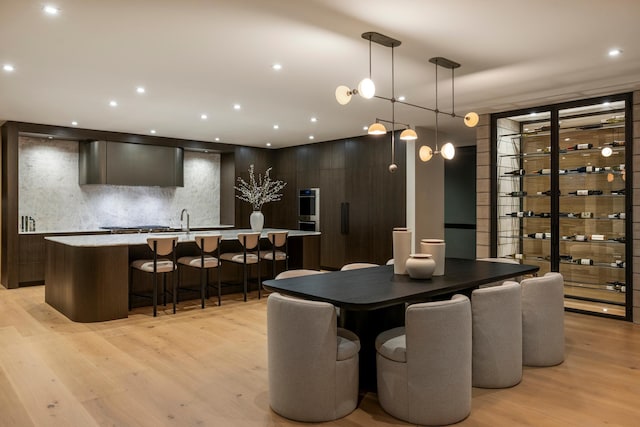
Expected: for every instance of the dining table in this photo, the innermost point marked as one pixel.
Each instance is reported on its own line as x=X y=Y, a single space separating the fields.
x=374 y=299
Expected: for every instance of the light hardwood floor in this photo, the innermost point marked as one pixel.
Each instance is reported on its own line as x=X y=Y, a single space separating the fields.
x=209 y=368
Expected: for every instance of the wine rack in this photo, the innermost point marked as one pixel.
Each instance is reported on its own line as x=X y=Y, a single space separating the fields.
x=562 y=198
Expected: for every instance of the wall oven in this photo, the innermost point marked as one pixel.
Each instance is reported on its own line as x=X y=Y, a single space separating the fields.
x=309 y=209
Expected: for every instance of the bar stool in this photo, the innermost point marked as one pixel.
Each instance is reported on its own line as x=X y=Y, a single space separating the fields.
x=250 y=250
x=278 y=252
x=161 y=246
x=208 y=244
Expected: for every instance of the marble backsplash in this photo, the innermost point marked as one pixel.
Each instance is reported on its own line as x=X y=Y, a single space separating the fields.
x=49 y=192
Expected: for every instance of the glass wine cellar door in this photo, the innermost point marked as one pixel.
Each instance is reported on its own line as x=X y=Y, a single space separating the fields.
x=562 y=198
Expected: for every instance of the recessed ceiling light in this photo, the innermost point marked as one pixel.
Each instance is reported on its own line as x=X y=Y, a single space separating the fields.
x=74 y=123
x=204 y=116
x=268 y=144
x=567 y=139
x=365 y=127
x=140 y=89
x=276 y=127
x=615 y=52
x=533 y=114
x=314 y=119
x=217 y=139
x=50 y=137
x=237 y=106
x=8 y=67
x=277 y=67
x=51 y=10
x=605 y=104
x=311 y=136
x=113 y=103
x=401 y=98
x=153 y=131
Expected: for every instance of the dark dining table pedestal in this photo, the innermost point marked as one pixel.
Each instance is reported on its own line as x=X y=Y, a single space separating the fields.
x=373 y=299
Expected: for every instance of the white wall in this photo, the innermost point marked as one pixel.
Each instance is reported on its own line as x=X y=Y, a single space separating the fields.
x=49 y=192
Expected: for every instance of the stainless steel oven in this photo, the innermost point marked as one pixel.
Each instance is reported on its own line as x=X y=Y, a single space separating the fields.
x=309 y=209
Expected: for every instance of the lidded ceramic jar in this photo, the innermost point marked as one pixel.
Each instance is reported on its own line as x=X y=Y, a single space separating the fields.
x=420 y=266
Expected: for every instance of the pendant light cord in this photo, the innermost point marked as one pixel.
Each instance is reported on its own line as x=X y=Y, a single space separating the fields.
x=393 y=111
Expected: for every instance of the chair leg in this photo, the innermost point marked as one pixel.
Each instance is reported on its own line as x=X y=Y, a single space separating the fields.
x=259 y=283
x=203 y=284
x=155 y=295
x=219 y=287
x=175 y=291
x=164 y=289
x=244 y=275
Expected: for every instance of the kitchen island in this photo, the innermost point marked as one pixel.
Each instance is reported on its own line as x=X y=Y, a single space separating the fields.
x=87 y=276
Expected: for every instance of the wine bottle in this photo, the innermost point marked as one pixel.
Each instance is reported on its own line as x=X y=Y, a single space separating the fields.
x=517 y=194
x=566 y=258
x=616 y=286
x=586 y=192
x=586 y=215
x=619 y=215
x=523 y=214
x=620 y=192
x=618 y=263
x=516 y=172
x=583 y=261
x=539 y=235
x=622 y=239
x=544 y=214
x=573 y=215
x=581 y=147
x=587 y=169
x=546 y=193
x=597 y=237
x=515 y=256
x=548 y=171
x=615 y=143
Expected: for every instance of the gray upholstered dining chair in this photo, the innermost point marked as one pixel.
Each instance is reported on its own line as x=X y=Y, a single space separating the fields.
x=497 y=336
x=205 y=261
x=357 y=265
x=298 y=272
x=161 y=246
x=502 y=260
x=250 y=249
x=313 y=365
x=279 y=250
x=424 y=368
x=543 y=320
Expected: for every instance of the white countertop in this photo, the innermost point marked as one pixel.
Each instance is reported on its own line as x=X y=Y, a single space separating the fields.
x=101 y=240
x=105 y=230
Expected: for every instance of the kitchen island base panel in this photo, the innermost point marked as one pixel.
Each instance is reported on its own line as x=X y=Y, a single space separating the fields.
x=87 y=284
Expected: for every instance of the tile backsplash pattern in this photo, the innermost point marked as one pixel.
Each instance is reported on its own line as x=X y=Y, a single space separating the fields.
x=49 y=192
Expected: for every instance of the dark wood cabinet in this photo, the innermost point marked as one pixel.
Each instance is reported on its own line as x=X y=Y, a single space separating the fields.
x=360 y=200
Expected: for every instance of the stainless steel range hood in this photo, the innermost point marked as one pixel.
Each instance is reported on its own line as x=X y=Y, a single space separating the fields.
x=118 y=163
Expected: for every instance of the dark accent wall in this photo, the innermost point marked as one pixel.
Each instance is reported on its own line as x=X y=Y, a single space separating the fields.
x=350 y=171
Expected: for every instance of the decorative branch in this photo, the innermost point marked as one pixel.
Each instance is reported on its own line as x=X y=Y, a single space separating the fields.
x=259 y=192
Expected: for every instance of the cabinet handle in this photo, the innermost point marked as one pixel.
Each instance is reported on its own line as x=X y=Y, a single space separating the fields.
x=344 y=218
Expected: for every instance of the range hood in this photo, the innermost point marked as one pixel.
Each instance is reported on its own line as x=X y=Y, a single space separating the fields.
x=118 y=163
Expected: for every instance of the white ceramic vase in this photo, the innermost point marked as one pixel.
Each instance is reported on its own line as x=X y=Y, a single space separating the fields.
x=420 y=266
x=257 y=220
x=401 y=249
x=435 y=247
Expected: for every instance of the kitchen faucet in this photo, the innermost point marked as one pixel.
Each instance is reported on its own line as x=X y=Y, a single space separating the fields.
x=184 y=211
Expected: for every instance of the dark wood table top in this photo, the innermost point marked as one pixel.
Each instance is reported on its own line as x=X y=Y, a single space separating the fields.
x=378 y=287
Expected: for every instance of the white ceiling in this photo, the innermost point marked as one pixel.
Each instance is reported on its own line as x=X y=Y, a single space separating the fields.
x=202 y=56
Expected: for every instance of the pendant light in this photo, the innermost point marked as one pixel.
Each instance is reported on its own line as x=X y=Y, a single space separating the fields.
x=366 y=89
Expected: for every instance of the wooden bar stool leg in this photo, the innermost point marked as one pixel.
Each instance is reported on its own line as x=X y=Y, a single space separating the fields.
x=175 y=290
x=203 y=284
x=244 y=275
x=219 y=287
x=155 y=294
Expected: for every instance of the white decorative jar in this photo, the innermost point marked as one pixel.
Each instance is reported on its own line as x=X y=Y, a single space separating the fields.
x=420 y=266
x=401 y=249
x=435 y=247
x=257 y=221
